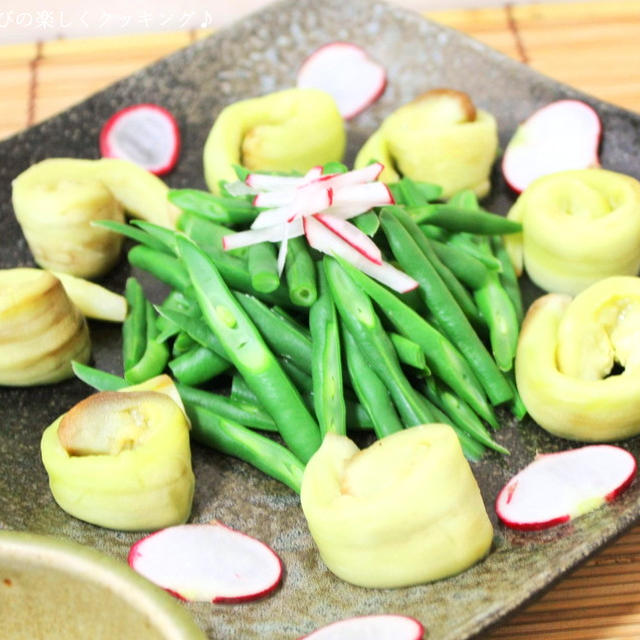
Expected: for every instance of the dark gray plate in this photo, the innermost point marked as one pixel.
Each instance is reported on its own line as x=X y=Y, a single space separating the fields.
x=256 y=56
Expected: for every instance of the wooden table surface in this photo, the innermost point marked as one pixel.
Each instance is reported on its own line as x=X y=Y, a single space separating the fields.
x=594 y=46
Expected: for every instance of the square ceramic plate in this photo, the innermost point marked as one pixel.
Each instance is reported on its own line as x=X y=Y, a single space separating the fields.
x=256 y=56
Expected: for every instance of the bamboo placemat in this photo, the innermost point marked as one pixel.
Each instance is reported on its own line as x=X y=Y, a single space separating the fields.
x=593 y=46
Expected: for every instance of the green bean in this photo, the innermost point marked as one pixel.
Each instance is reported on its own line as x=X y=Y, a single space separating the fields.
x=441 y=355
x=508 y=277
x=156 y=354
x=461 y=295
x=227 y=436
x=246 y=413
x=459 y=219
x=434 y=233
x=166 y=329
x=370 y=390
x=277 y=333
x=409 y=352
x=301 y=379
x=183 y=343
x=300 y=272
x=131 y=232
x=368 y=223
x=167 y=237
x=263 y=267
x=412 y=193
x=206 y=233
x=176 y=301
x=518 y=409
x=465 y=242
x=248 y=352
x=361 y=321
x=461 y=414
x=356 y=415
x=198 y=365
x=161 y=265
x=428 y=190
x=215 y=208
x=100 y=380
x=291 y=321
x=134 y=336
x=326 y=363
x=412 y=197
x=240 y=391
x=498 y=310
x=233 y=269
x=240 y=171
x=196 y=328
x=334 y=167
x=469 y=270
x=441 y=303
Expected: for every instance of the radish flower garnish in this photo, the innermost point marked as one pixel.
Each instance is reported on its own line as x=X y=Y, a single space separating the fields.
x=320 y=207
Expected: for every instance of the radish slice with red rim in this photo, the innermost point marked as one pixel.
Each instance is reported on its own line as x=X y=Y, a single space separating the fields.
x=273 y=233
x=145 y=134
x=374 y=627
x=323 y=239
x=348 y=232
x=269 y=182
x=562 y=135
x=308 y=200
x=557 y=487
x=346 y=72
x=207 y=563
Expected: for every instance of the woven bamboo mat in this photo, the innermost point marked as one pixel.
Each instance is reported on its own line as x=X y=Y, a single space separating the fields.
x=593 y=46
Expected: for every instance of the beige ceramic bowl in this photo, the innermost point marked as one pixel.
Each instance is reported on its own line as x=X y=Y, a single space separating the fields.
x=54 y=588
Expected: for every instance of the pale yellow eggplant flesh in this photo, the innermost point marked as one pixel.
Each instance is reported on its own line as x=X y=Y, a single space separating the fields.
x=406 y=510
x=56 y=200
x=290 y=130
x=41 y=330
x=568 y=349
x=122 y=461
x=578 y=227
x=439 y=137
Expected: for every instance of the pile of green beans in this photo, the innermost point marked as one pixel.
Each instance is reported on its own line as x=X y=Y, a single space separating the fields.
x=323 y=348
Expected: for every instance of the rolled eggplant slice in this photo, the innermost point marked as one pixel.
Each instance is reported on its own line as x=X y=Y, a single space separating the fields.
x=577 y=227
x=569 y=356
x=404 y=511
x=439 y=137
x=41 y=330
x=291 y=130
x=121 y=461
x=56 y=200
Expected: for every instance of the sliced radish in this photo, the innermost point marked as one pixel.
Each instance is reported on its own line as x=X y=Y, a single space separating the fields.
x=360 y=241
x=274 y=233
x=376 y=194
x=207 y=563
x=267 y=182
x=556 y=487
x=369 y=192
x=374 y=627
x=308 y=200
x=346 y=72
x=266 y=199
x=562 y=135
x=145 y=134
x=239 y=188
x=323 y=239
